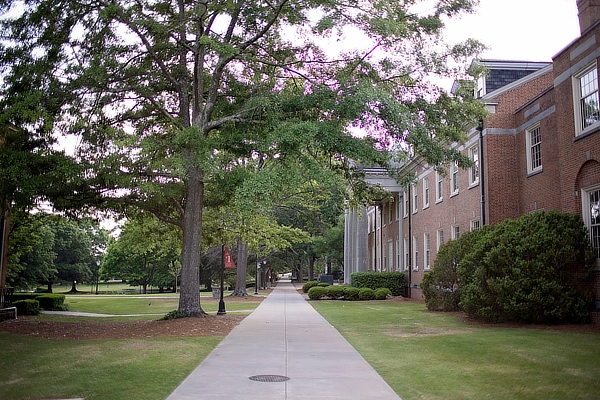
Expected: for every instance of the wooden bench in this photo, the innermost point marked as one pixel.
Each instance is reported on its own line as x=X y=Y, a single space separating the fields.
x=128 y=291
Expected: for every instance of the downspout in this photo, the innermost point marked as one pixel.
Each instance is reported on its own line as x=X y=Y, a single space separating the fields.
x=481 y=173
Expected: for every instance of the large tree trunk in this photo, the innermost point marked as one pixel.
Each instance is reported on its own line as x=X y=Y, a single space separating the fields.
x=189 y=297
x=242 y=265
x=311 y=267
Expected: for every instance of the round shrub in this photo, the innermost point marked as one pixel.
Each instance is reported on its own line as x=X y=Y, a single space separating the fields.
x=382 y=293
x=532 y=269
x=366 y=294
x=335 y=292
x=351 y=293
x=306 y=287
x=317 y=292
x=323 y=284
x=27 y=307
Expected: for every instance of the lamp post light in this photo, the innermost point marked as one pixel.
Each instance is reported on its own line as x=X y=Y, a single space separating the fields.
x=256 y=277
x=221 y=301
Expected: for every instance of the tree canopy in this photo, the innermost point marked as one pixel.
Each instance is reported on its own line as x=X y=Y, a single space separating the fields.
x=169 y=98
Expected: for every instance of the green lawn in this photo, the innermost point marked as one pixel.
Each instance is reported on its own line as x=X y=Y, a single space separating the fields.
x=151 y=304
x=141 y=369
x=148 y=368
x=425 y=355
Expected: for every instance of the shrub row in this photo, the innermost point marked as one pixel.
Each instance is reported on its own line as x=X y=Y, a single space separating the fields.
x=394 y=281
x=46 y=301
x=348 y=293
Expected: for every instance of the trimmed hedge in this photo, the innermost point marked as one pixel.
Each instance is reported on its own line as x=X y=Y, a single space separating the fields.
x=307 y=285
x=382 y=293
x=351 y=293
x=366 y=294
x=47 y=301
x=27 y=307
x=335 y=292
x=317 y=292
x=395 y=281
x=52 y=302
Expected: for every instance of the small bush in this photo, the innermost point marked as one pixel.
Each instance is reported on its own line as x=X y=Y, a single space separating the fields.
x=323 y=284
x=394 y=281
x=382 y=293
x=351 y=293
x=52 y=302
x=317 y=292
x=335 y=292
x=27 y=307
x=175 y=314
x=366 y=294
x=306 y=287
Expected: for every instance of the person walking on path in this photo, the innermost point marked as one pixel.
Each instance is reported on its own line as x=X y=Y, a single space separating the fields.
x=284 y=350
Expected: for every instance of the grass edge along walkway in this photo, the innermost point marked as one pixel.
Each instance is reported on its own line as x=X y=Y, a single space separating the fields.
x=427 y=355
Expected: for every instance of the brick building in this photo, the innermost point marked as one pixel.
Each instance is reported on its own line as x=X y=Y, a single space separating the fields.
x=539 y=149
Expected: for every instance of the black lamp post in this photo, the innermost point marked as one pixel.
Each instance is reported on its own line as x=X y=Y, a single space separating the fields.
x=257 y=270
x=221 y=301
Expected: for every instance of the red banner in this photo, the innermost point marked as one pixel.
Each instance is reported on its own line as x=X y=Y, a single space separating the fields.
x=229 y=264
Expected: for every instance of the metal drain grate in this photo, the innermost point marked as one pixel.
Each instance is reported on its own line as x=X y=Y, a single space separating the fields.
x=269 y=378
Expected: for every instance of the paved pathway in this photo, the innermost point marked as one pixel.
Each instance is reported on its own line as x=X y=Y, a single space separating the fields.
x=284 y=350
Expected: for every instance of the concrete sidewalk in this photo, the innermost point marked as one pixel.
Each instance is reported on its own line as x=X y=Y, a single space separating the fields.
x=284 y=350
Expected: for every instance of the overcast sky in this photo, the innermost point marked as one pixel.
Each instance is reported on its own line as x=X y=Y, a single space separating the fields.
x=524 y=30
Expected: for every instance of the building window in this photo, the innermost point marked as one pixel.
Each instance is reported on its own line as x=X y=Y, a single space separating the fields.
x=454 y=179
x=405 y=204
x=398 y=208
x=440 y=238
x=406 y=254
x=591 y=216
x=474 y=170
x=415 y=199
x=455 y=231
x=425 y=192
x=391 y=208
x=439 y=187
x=475 y=225
x=534 y=149
x=585 y=95
x=426 y=251
x=398 y=255
x=415 y=253
x=390 y=266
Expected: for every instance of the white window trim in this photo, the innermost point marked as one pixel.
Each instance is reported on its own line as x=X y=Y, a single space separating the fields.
x=405 y=204
x=439 y=187
x=440 y=234
x=454 y=237
x=426 y=251
x=579 y=130
x=474 y=182
x=415 y=199
x=406 y=254
x=475 y=224
x=415 y=250
x=426 y=192
x=586 y=211
x=453 y=169
x=528 y=131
